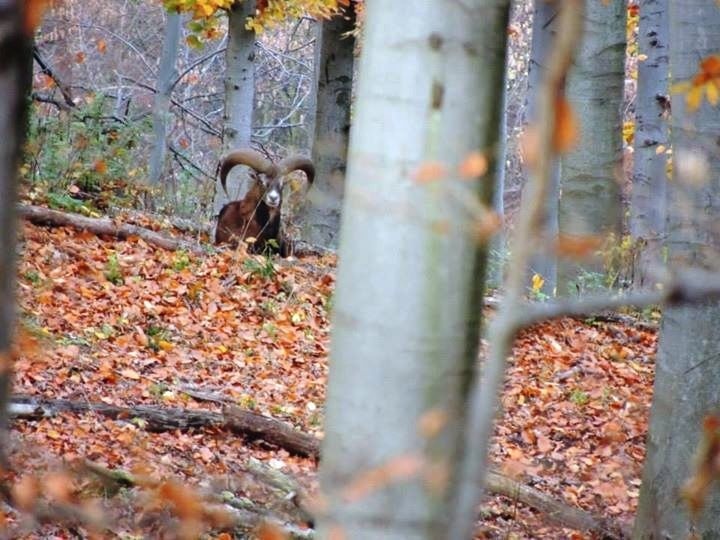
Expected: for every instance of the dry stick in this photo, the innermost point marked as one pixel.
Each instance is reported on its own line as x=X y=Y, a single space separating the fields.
x=484 y=400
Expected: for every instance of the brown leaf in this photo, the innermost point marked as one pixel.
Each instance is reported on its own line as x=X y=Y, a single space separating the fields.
x=544 y=444
x=577 y=247
x=566 y=126
x=474 y=165
x=429 y=171
x=25 y=492
x=270 y=531
x=34 y=10
x=58 y=486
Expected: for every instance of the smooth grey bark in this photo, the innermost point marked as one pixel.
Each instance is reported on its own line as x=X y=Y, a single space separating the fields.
x=687 y=378
x=589 y=188
x=649 y=182
x=239 y=94
x=334 y=61
x=544 y=262
x=410 y=282
x=498 y=245
x=161 y=109
x=15 y=83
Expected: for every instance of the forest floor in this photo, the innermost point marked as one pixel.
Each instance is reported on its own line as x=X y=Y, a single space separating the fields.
x=124 y=323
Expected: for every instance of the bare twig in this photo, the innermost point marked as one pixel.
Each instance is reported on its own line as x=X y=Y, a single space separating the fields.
x=201 y=60
x=47 y=70
x=484 y=402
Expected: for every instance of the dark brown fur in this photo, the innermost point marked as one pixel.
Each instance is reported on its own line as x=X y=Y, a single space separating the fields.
x=252 y=217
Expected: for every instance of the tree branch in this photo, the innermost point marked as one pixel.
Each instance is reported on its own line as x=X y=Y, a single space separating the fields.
x=484 y=400
x=45 y=68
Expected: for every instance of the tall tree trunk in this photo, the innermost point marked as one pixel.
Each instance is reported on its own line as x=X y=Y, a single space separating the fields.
x=410 y=282
x=15 y=81
x=544 y=262
x=498 y=245
x=334 y=60
x=590 y=191
x=649 y=183
x=687 y=378
x=239 y=94
x=161 y=110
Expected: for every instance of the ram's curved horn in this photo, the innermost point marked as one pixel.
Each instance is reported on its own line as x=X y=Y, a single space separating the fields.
x=244 y=156
x=297 y=163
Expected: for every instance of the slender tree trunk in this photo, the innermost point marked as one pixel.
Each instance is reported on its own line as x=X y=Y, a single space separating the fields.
x=334 y=60
x=410 y=283
x=239 y=94
x=161 y=111
x=15 y=81
x=544 y=262
x=498 y=244
x=687 y=378
x=649 y=186
x=590 y=191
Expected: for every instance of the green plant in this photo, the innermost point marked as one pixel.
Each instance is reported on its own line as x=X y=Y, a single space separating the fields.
x=620 y=260
x=247 y=402
x=588 y=281
x=157 y=335
x=270 y=329
x=63 y=201
x=158 y=389
x=33 y=277
x=113 y=270
x=579 y=398
x=181 y=260
x=87 y=149
x=261 y=266
x=269 y=308
x=328 y=302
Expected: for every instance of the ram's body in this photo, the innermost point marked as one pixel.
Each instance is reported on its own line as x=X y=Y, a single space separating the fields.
x=249 y=218
x=257 y=215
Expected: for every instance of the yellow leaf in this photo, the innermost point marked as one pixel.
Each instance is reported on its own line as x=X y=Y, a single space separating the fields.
x=165 y=345
x=681 y=87
x=694 y=98
x=130 y=374
x=537 y=283
x=711 y=90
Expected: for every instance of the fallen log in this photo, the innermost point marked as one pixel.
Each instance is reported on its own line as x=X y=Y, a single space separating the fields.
x=248 y=424
x=104 y=226
x=255 y=426
x=247 y=514
x=557 y=511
